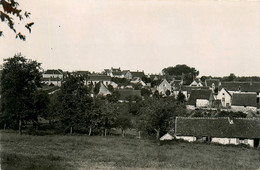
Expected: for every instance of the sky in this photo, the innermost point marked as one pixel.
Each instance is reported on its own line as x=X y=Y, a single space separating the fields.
x=215 y=37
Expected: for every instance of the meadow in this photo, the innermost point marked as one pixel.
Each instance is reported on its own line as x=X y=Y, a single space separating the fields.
x=115 y=152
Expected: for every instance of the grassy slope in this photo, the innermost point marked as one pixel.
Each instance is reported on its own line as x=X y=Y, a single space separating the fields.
x=83 y=152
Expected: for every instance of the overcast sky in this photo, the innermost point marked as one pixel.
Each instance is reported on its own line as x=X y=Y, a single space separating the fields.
x=215 y=37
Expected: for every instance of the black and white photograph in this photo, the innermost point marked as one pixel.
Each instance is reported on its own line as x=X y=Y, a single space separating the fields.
x=129 y=84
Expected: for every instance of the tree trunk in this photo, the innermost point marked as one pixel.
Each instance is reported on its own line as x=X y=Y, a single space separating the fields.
x=71 y=130
x=20 y=127
x=4 y=126
x=37 y=127
x=139 y=134
x=158 y=136
x=90 y=130
x=105 y=132
x=123 y=133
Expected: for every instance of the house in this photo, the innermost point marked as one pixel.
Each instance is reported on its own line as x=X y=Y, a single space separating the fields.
x=244 y=101
x=53 y=74
x=127 y=74
x=219 y=130
x=53 y=77
x=197 y=83
x=103 y=90
x=155 y=77
x=125 y=94
x=225 y=97
x=186 y=90
x=96 y=78
x=201 y=98
x=168 y=136
x=138 y=80
x=164 y=86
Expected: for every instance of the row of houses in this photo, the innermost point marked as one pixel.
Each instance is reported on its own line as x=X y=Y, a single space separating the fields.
x=238 y=96
x=222 y=130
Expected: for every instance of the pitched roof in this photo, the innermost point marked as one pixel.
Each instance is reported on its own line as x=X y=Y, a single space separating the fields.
x=125 y=71
x=241 y=86
x=99 y=78
x=218 y=127
x=137 y=74
x=128 y=92
x=118 y=73
x=244 y=99
x=53 y=71
x=155 y=76
x=199 y=94
x=190 y=88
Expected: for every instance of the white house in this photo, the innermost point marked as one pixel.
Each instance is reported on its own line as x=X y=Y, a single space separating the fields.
x=103 y=90
x=225 y=97
x=164 y=86
x=54 y=77
x=94 y=79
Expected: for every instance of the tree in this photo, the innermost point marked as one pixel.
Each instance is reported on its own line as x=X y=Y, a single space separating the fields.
x=159 y=114
x=8 y=11
x=146 y=92
x=73 y=102
x=182 y=71
x=102 y=115
x=181 y=97
x=20 y=80
x=231 y=77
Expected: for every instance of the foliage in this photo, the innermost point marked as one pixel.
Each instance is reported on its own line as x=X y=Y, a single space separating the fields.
x=231 y=114
x=114 y=97
x=73 y=101
x=137 y=86
x=181 y=97
x=97 y=88
x=231 y=77
x=110 y=88
x=159 y=114
x=146 y=92
x=9 y=11
x=20 y=80
x=183 y=71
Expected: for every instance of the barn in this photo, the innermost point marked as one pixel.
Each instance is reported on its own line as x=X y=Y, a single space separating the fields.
x=223 y=130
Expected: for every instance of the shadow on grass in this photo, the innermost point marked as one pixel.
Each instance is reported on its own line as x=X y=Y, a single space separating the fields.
x=12 y=161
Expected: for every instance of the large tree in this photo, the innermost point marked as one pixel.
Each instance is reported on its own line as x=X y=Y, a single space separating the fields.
x=182 y=71
x=20 y=80
x=73 y=101
x=158 y=115
x=9 y=11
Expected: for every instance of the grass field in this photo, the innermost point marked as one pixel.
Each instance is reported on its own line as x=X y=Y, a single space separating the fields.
x=97 y=152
